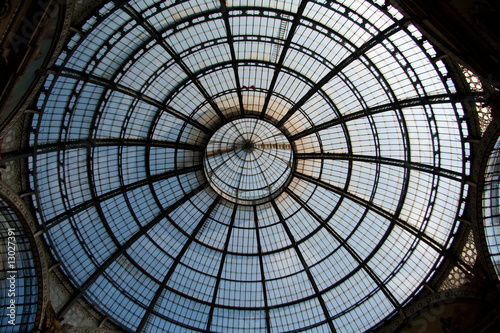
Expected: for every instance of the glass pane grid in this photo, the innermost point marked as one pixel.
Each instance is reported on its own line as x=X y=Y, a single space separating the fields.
x=251 y=162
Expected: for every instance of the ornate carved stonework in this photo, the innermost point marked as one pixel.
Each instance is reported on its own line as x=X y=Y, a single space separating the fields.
x=51 y=324
x=10 y=172
x=90 y=330
x=81 y=314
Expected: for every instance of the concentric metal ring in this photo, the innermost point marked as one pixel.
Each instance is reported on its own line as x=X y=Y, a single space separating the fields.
x=149 y=189
x=248 y=161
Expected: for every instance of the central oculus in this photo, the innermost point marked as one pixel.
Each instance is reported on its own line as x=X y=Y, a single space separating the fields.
x=248 y=161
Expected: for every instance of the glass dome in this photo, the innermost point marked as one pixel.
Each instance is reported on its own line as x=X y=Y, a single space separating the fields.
x=257 y=166
x=491 y=206
x=248 y=161
x=19 y=282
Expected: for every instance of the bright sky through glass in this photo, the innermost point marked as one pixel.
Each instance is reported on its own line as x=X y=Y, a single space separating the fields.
x=491 y=213
x=350 y=215
x=248 y=161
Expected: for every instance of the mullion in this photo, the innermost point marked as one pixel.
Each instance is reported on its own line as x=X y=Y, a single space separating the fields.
x=122 y=249
x=421 y=235
x=230 y=39
x=221 y=269
x=310 y=276
x=346 y=62
x=157 y=36
x=284 y=50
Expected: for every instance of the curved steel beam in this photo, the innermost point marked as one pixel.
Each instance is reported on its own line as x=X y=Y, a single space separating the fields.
x=387 y=161
x=108 y=195
x=74 y=74
x=310 y=276
x=427 y=100
x=221 y=268
x=341 y=66
x=230 y=40
x=262 y=272
x=284 y=50
x=349 y=249
x=170 y=50
x=92 y=143
x=390 y=217
x=121 y=250
x=176 y=262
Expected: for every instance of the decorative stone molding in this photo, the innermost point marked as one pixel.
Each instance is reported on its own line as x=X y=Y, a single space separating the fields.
x=81 y=314
x=10 y=172
x=90 y=330
x=9 y=10
x=51 y=284
x=83 y=9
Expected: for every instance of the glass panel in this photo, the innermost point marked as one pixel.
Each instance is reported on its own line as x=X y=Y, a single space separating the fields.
x=277 y=172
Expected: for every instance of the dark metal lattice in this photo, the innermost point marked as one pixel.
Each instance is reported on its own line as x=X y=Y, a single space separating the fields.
x=491 y=206
x=19 y=282
x=353 y=201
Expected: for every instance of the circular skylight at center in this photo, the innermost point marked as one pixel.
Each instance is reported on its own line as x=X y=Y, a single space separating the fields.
x=248 y=161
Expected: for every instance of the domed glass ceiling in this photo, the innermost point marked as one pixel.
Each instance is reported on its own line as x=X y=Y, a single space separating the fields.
x=248 y=161
x=491 y=206
x=168 y=215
